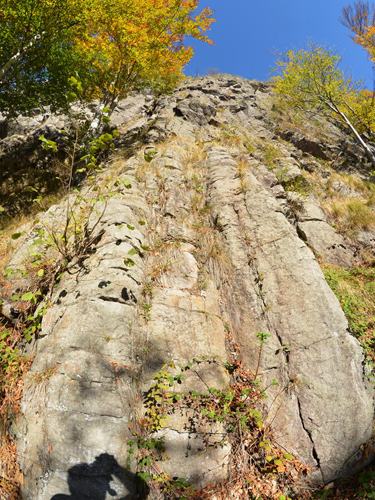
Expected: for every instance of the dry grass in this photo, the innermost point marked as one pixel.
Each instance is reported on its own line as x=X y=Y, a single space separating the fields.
x=211 y=254
x=242 y=169
x=364 y=187
x=350 y=215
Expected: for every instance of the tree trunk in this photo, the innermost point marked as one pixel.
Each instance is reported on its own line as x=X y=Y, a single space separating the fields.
x=4 y=70
x=364 y=145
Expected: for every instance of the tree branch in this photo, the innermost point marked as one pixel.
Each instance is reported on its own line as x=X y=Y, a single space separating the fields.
x=4 y=70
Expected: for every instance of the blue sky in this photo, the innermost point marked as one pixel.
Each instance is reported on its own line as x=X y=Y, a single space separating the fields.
x=247 y=31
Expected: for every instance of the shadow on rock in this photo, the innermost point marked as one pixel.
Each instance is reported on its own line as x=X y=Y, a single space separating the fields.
x=92 y=481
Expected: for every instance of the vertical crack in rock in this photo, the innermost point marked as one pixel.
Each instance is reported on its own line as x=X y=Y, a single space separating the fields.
x=314 y=452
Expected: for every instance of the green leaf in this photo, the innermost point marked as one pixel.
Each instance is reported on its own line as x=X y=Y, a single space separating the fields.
x=15 y=236
x=2 y=209
x=71 y=96
x=141 y=222
x=133 y=251
x=15 y=297
x=130 y=227
x=27 y=296
x=106 y=119
x=41 y=272
x=46 y=144
x=129 y=262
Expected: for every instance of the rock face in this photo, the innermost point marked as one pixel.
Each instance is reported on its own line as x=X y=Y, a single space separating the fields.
x=311 y=328
x=225 y=245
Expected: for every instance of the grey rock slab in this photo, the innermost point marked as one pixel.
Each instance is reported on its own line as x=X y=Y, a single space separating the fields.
x=344 y=189
x=192 y=460
x=184 y=323
x=181 y=128
x=307 y=144
x=104 y=327
x=326 y=243
x=300 y=311
x=314 y=229
x=85 y=361
x=127 y=109
x=184 y=326
x=288 y=170
x=367 y=239
x=78 y=414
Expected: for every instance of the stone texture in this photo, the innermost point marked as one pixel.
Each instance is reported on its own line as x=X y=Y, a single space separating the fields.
x=84 y=406
x=296 y=306
x=229 y=245
x=314 y=229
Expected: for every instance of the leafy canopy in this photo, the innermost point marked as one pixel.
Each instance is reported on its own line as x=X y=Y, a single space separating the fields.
x=141 y=43
x=36 y=51
x=311 y=79
x=360 y=19
x=113 y=45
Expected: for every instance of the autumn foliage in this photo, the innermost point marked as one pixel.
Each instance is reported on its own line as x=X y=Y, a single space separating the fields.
x=312 y=80
x=360 y=19
x=114 y=46
x=141 y=43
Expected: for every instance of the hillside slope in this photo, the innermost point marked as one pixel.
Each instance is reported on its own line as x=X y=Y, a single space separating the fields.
x=212 y=256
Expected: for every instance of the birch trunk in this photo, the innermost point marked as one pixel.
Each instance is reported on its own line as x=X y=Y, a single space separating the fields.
x=4 y=70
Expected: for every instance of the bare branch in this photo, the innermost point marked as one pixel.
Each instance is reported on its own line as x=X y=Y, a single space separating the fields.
x=358 y=18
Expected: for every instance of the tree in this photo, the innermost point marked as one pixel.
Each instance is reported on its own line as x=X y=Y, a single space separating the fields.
x=360 y=19
x=313 y=81
x=113 y=45
x=36 y=57
x=139 y=44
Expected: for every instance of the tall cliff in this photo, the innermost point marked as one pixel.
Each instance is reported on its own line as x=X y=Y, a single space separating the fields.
x=212 y=253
